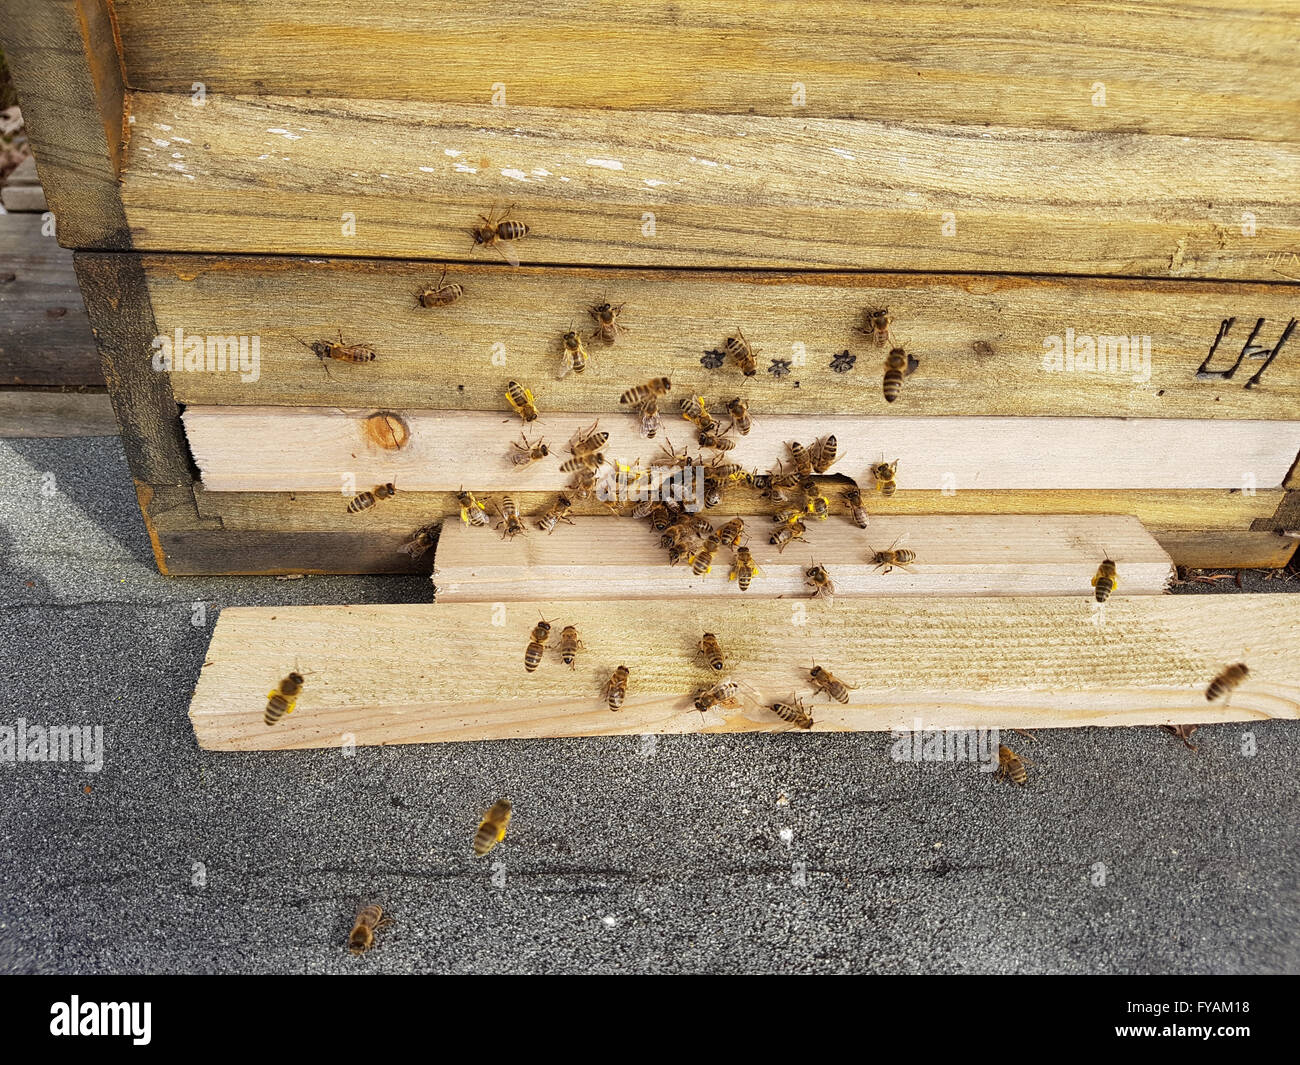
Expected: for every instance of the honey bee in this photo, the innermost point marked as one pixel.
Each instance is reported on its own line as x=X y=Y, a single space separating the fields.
x=884 y=473
x=702 y=559
x=1105 y=580
x=711 y=651
x=588 y=462
x=558 y=512
x=1225 y=682
x=787 y=534
x=742 y=353
x=677 y=552
x=513 y=524
x=650 y=419
x=1011 y=766
x=738 y=409
x=725 y=695
x=570 y=645
x=712 y=492
x=536 y=645
x=656 y=386
x=815 y=503
x=898 y=364
x=499 y=233
x=327 y=350
x=521 y=401
x=694 y=410
x=875 y=324
x=492 y=829
x=743 y=570
x=892 y=557
x=439 y=295
x=588 y=441
x=820 y=582
x=853 y=500
x=826 y=681
x=283 y=699
x=608 y=326
x=584 y=483
x=699 y=524
x=716 y=440
x=574 y=357
x=824 y=454
x=472 y=512
x=366 y=500
x=420 y=541
x=787 y=514
x=731 y=532
x=526 y=454
x=671 y=457
x=1184 y=733
x=802 y=459
x=362 y=936
x=794 y=712
x=616 y=688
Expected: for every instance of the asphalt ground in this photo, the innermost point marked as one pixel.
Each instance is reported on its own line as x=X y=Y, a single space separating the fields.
x=1125 y=853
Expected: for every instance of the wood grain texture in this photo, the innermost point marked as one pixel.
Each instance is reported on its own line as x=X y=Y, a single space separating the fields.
x=23 y=198
x=980 y=340
x=283 y=449
x=68 y=72
x=1226 y=549
x=620 y=559
x=45 y=338
x=1219 y=69
x=287 y=173
x=26 y=413
x=409 y=674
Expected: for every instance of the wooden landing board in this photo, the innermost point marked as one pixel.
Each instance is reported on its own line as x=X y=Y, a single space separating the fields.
x=620 y=558
x=26 y=413
x=1221 y=69
x=327 y=176
x=409 y=674
x=286 y=449
x=982 y=342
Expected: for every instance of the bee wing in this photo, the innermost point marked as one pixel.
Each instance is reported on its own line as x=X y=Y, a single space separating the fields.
x=566 y=364
x=508 y=252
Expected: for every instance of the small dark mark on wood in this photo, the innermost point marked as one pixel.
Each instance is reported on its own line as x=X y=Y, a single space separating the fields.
x=843 y=362
x=1286 y=335
x=1161 y=392
x=711 y=360
x=8 y=276
x=780 y=368
x=55 y=312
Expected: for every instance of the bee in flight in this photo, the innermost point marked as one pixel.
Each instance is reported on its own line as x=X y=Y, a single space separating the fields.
x=711 y=651
x=1225 y=682
x=439 y=295
x=1105 y=580
x=650 y=420
x=743 y=569
x=738 y=409
x=615 y=689
x=1011 y=766
x=892 y=556
x=472 y=512
x=536 y=645
x=521 y=401
x=574 y=357
x=853 y=500
x=794 y=712
x=421 y=541
x=525 y=454
x=492 y=829
x=742 y=353
x=898 y=364
x=655 y=387
x=826 y=681
x=369 y=921
x=570 y=645
x=875 y=324
x=283 y=699
x=558 y=512
x=511 y=524
x=608 y=327
x=820 y=582
x=885 y=474
x=500 y=233
x=366 y=500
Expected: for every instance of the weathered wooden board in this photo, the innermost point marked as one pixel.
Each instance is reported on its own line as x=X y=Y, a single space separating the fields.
x=27 y=413
x=313 y=176
x=285 y=449
x=409 y=674
x=620 y=559
x=45 y=338
x=984 y=343
x=1227 y=549
x=1219 y=69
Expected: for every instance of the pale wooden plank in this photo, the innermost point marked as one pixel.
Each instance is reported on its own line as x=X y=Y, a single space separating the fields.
x=23 y=198
x=1217 y=69
x=275 y=449
x=620 y=559
x=731 y=191
x=407 y=674
x=44 y=414
x=980 y=340
x=1227 y=549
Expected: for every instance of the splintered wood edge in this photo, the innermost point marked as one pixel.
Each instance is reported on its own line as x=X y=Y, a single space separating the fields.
x=615 y=558
x=445 y=672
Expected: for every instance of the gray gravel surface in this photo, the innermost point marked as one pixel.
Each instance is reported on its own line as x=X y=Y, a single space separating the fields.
x=751 y=853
